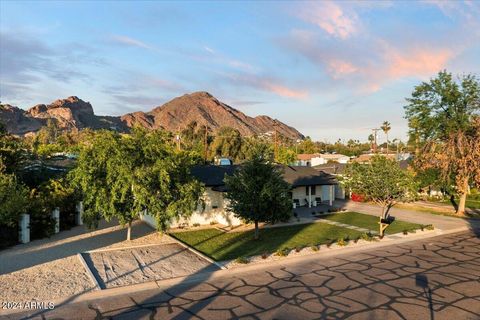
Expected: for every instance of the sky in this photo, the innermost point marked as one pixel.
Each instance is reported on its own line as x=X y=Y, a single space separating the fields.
x=333 y=70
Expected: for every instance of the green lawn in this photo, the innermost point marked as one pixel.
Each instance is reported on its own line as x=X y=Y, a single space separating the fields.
x=470 y=203
x=225 y=246
x=370 y=222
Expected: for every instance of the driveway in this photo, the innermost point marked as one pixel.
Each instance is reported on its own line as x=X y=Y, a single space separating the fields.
x=435 y=278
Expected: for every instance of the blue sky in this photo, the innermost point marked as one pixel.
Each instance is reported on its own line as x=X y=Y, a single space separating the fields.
x=330 y=69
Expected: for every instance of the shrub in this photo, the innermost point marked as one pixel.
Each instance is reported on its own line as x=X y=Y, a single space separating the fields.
x=282 y=252
x=213 y=222
x=242 y=260
x=298 y=248
x=265 y=255
x=367 y=236
x=196 y=224
x=405 y=232
x=429 y=227
x=341 y=242
x=314 y=248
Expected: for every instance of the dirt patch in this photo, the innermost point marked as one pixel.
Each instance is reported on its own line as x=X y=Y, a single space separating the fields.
x=123 y=267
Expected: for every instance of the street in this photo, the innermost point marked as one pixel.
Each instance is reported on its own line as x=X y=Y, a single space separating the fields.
x=435 y=278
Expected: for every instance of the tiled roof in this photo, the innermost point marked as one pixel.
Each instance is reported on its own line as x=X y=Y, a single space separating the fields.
x=213 y=176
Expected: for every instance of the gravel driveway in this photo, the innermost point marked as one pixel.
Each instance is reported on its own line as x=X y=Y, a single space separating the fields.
x=123 y=267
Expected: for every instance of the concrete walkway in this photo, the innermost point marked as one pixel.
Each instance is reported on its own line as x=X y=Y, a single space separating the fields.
x=338 y=224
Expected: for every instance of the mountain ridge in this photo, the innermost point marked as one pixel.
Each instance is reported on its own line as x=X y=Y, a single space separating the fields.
x=174 y=115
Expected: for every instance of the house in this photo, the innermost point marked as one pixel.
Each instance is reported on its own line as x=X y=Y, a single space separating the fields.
x=336 y=169
x=309 y=188
x=314 y=159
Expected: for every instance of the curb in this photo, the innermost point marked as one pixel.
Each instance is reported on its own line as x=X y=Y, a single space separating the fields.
x=89 y=272
x=195 y=251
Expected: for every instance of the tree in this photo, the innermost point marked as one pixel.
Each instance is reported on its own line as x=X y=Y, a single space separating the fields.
x=386 y=128
x=371 y=139
x=381 y=181
x=307 y=146
x=254 y=146
x=227 y=143
x=258 y=193
x=13 y=197
x=121 y=176
x=442 y=117
x=286 y=156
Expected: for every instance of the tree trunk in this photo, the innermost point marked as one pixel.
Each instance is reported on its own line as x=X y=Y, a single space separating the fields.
x=129 y=230
x=387 y=144
x=383 y=212
x=256 y=230
x=461 y=203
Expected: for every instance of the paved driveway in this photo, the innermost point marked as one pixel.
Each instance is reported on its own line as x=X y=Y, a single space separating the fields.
x=436 y=278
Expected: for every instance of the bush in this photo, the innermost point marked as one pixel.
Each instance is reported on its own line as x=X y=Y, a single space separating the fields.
x=196 y=224
x=265 y=255
x=298 y=249
x=213 y=223
x=429 y=227
x=367 y=236
x=8 y=236
x=282 y=252
x=342 y=241
x=405 y=232
x=314 y=248
x=242 y=260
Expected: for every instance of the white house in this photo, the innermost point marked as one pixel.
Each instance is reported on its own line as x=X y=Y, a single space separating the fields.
x=309 y=188
x=315 y=159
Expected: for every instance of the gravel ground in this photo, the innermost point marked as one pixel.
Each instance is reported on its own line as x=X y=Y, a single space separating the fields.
x=49 y=269
x=123 y=267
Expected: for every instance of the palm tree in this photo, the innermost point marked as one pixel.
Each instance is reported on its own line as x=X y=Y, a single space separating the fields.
x=386 y=127
x=371 y=139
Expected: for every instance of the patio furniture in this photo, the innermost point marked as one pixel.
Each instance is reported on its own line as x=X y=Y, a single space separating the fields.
x=296 y=203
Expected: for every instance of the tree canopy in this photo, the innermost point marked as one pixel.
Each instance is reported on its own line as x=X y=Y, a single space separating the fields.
x=443 y=119
x=381 y=181
x=258 y=193
x=13 y=197
x=120 y=176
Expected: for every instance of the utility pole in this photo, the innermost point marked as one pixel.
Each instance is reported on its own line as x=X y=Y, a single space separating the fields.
x=177 y=138
x=275 y=147
x=205 y=142
x=375 y=130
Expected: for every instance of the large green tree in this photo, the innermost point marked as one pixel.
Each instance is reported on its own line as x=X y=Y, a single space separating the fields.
x=258 y=193
x=227 y=143
x=442 y=117
x=381 y=181
x=13 y=197
x=122 y=175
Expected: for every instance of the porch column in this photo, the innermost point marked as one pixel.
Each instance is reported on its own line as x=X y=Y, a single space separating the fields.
x=79 y=215
x=24 y=228
x=56 y=217
x=330 y=200
x=309 y=196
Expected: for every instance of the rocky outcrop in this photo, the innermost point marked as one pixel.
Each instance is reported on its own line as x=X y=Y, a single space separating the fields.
x=201 y=107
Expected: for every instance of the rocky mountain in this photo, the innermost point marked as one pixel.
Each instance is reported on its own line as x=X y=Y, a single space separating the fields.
x=202 y=107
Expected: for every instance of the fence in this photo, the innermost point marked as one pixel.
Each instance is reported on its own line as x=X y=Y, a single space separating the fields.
x=24 y=222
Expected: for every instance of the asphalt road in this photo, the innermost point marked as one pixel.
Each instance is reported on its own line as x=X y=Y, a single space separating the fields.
x=435 y=278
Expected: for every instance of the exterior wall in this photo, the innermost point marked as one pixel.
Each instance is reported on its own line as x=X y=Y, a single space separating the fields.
x=339 y=192
x=299 y=193
x=317 y=161
x=326 y=193
x=215 y=210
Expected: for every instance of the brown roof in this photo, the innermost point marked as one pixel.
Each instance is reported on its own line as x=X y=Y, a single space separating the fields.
x=307 y=156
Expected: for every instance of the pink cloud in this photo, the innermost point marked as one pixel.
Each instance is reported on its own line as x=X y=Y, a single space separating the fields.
x=264 y=83
x=330 y=17
x=417 y=62
x=339 y=68
x=284 y=91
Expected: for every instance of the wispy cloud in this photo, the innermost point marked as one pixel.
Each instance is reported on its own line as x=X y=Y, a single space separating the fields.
x=330 y=17
x=128 y=41
x=265 y=83
x=26 y=60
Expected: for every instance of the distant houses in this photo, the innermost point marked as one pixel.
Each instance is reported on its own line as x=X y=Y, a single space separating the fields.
x=314 y=159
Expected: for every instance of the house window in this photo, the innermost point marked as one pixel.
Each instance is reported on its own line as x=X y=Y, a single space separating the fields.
x=313 y=190
x=306 y=190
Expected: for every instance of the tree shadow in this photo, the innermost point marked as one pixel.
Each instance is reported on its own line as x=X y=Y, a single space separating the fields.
x=69 y=242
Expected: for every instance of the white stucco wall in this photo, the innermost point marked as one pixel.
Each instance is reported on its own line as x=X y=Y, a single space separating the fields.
x=339 y=192
x=219 y=214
